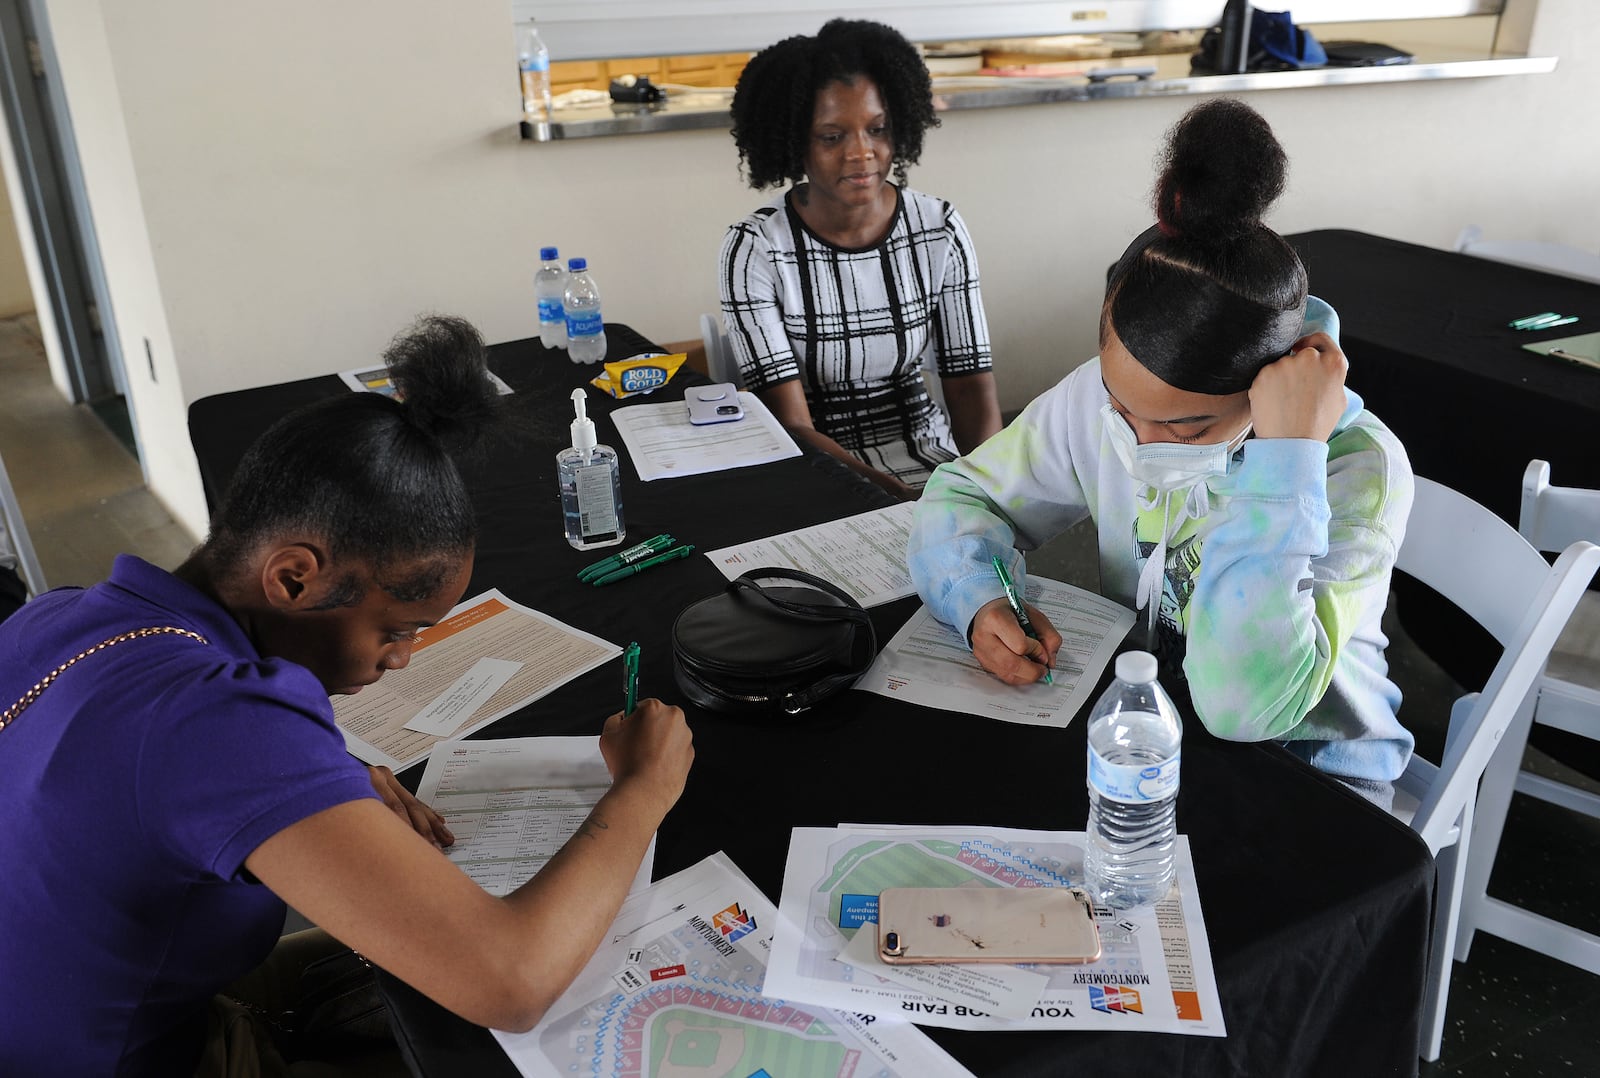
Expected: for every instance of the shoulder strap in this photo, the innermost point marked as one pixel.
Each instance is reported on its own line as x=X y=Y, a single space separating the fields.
x=865 y=647
x=44 y=683
x=851 y=611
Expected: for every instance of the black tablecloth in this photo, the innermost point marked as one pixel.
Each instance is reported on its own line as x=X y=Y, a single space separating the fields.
x=1433 y=357
x=1317 y=904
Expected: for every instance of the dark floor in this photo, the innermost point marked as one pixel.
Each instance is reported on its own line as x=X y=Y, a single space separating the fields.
x=1511 y=1011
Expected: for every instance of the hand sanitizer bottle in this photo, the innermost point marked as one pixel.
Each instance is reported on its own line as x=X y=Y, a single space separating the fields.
x=591 y=485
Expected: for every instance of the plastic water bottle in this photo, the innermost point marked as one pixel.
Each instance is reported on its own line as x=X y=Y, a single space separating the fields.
x=550 y=288
x=586 y=333
x=533 y=61
x=1135 y=741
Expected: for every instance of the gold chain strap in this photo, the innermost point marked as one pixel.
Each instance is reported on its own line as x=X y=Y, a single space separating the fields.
x=33 y=694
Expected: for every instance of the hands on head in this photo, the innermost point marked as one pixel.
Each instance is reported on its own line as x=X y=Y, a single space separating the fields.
x=1003 y=649
x=1302 y=394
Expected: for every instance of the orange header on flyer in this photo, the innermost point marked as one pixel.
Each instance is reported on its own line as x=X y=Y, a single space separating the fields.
x=455 y=623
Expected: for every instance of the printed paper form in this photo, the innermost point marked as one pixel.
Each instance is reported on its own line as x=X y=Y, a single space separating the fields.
x=663 y=443
x=513 y=803
x=676 y=992
x=864 y=554
x=930 y=663
x=1154 y=973
x=489 y=626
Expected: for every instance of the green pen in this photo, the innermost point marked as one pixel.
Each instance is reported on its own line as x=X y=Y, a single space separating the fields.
x=1533 y=320
x=630 y=679
x=1017 y=608
x=625 y=557
x=1567 y=321
x=639 y=566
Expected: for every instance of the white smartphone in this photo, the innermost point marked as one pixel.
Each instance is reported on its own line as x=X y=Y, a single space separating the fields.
x=986 y=924
x=717 y=403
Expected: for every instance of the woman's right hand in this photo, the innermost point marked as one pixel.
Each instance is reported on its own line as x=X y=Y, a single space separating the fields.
x=1003 y=649
x=652 y=747
x=898 y=488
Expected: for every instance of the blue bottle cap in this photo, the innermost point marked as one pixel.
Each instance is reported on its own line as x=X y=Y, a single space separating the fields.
x=546 y=254
x=577 y=265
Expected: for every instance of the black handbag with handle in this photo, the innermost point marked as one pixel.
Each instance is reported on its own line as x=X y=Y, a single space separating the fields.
x=759 y=650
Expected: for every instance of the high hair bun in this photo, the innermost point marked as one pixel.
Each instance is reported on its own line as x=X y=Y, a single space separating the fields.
x=439 y=367
x=1222 y=169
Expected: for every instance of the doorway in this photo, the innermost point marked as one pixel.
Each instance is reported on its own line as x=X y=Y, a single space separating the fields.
x=52 y=190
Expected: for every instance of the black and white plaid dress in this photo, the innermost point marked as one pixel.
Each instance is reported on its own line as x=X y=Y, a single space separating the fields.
x=855 y=325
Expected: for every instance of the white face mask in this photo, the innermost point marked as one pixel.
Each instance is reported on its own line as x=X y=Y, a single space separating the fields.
x=1162 y=470
x=1168 y=467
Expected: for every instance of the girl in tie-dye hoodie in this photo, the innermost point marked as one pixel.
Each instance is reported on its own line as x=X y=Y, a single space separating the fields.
x=1246 y=503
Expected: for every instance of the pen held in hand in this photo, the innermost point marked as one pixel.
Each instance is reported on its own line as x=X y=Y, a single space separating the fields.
x=1017 y=609
x=639 y=566
x=630 y=679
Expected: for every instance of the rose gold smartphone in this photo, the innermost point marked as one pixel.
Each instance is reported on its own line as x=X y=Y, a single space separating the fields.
x=987 y=924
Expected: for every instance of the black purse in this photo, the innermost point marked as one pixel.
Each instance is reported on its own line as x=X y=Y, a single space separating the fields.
x=754 y=650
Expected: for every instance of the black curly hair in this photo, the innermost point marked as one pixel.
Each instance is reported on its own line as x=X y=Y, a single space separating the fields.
x=776 y=97
x=1210 y=295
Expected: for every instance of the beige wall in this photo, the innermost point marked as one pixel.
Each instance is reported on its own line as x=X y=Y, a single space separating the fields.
x=284 y=193
x=16 y=293
x=105 y=134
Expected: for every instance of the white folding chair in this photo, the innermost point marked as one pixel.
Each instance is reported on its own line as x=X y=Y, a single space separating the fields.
x=720 y=364
x=12 y=526
x=1557 y=258
x=1477 y=561
x=1567 y=698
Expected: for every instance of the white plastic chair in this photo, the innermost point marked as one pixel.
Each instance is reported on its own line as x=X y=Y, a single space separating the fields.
x=1477 y=561
x=12 y=526
x=1568 y=698
x=1531 y=254
x=720 y=364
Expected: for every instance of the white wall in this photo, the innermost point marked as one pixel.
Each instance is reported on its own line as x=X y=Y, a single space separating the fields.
x=312 y=178
x=105 y=141
x=33 y=265
x=16 y=291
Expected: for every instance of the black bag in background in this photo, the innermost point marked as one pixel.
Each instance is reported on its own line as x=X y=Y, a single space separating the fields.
x=754 y=650
x=1276 y=44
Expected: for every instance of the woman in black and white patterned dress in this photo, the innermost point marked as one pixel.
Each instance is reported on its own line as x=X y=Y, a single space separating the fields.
x=836 y=292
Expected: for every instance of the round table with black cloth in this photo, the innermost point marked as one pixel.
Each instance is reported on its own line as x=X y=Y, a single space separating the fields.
x=1317 y=905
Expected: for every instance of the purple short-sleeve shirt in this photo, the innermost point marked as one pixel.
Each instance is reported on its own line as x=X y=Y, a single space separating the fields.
x=131 y=793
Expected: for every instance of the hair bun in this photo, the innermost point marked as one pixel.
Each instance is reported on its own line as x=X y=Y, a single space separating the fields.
x=1222 y=169
x=439 y=367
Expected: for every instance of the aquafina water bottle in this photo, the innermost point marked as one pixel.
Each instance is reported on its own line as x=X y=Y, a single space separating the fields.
x=550 y=289
x=1135 y=741
x=586 y=332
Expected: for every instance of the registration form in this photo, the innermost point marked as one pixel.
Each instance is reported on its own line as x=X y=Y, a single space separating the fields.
x=663 y=443
x=864 y=554
x=513 y=803
x=449 y=689
x=929 y=663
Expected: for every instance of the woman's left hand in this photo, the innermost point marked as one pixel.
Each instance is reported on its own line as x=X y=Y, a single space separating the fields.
x=404 y=804
x=1302 y=394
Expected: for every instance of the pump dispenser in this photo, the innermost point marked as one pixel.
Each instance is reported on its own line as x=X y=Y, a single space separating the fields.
x=591 y=484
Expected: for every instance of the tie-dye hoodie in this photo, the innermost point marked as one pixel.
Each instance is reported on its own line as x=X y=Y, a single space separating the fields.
x=1276 y=591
